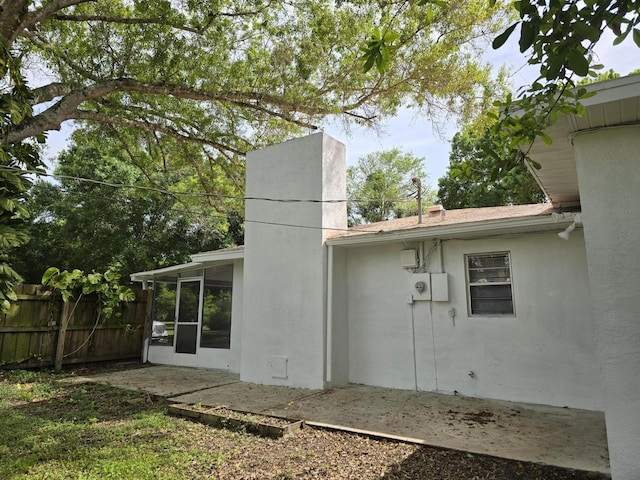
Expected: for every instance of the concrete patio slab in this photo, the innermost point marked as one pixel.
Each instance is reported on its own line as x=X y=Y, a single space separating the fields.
x=555 y=436
x=160 y=380
x=250 y=397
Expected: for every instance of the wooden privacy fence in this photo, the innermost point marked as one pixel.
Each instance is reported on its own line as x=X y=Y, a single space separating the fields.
x=29 y=332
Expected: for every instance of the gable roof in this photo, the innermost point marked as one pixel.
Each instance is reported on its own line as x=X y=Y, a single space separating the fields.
x=467 y=223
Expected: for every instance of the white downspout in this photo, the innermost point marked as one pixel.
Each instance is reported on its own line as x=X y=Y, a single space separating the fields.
x=329 y=356
x=145 y=341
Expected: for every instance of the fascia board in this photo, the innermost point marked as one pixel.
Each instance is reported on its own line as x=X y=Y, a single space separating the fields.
x=476 y=230
x=148 y=275
x=217 y=256
x=613 y=90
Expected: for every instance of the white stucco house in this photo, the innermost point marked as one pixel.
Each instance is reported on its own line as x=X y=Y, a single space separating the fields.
x=487 y=302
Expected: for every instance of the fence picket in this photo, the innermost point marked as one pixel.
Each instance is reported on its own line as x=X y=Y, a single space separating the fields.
x=29 y=331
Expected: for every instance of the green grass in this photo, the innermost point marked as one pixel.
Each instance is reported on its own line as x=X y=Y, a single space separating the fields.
x=55 y=430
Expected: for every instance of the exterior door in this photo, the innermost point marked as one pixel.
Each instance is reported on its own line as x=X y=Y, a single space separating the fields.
x=188 y=315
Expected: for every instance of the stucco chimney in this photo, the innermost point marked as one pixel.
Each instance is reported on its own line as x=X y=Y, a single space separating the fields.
x=297 y=193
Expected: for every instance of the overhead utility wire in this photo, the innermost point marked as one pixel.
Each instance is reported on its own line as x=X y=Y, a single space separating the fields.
x=203 y=212
x=195 y=195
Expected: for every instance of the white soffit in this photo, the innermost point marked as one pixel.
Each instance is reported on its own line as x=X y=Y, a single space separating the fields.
x=617 y=102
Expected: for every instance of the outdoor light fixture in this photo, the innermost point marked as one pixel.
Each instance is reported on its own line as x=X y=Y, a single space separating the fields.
x=566 y=233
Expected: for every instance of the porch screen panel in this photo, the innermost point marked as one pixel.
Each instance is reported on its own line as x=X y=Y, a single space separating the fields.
x=216 y=310
x=164 y=312
x=188 y=310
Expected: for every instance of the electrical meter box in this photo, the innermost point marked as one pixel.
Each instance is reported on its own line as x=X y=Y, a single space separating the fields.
x=440 y=287
x=420 y=286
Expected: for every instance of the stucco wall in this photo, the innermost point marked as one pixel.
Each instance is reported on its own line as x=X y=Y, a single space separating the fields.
x=607 y=162
x=338 y=330
x=285 y=269
x=236 y=316
x=544 y=354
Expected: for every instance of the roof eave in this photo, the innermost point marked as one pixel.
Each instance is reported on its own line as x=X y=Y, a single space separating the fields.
x=466 y=230
x=217 y=256
x=148 y=275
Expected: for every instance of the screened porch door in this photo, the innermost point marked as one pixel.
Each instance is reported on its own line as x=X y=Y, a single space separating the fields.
x=188 y=315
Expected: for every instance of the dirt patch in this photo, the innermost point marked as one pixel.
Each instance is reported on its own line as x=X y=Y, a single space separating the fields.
x=481 y=417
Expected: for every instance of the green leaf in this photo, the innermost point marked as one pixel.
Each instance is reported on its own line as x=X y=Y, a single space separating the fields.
x=546 y=138
x=49 y=274
x=429 y=15
x=621 y=38
x=94 y=278
x=636 y=36
x=528 y=34
x=503 y=37
x=578 y=63
x=587 y=31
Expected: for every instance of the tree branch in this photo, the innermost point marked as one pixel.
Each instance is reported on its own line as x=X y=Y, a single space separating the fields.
x=66 y=107
x=150 y=127
x=125 y=21
x=288 y=118
x=13 y=14
x=46 y=93
x=42 y=42
x=30 y=19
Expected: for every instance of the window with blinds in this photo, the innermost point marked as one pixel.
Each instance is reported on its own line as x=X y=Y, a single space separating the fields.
x=489 y=288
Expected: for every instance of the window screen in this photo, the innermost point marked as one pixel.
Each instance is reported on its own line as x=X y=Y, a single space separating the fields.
x=489 y=284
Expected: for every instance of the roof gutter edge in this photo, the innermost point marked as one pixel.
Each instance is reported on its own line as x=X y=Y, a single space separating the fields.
x=211 y=257
x=490 y=228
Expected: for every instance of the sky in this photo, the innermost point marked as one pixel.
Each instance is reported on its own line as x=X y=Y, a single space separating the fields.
x=415 y=134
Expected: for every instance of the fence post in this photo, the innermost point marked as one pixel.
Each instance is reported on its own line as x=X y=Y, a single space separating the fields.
x=62 y=333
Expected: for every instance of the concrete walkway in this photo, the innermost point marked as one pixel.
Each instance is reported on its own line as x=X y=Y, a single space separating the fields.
x=555 y=436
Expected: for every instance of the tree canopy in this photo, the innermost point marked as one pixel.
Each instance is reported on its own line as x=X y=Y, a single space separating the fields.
x=195 y=84
x=231 y=74
x=557 y=36
x=101 y=210
x=380 y=186
x=476 y=179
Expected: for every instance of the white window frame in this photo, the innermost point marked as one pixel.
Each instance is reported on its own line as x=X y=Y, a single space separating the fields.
x=471 y=284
